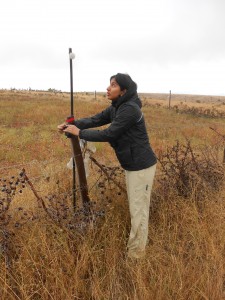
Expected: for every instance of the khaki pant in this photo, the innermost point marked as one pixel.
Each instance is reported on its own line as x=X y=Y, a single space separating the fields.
x=139 y=186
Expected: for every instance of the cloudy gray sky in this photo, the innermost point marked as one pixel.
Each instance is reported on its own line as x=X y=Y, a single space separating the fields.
x=164 y=45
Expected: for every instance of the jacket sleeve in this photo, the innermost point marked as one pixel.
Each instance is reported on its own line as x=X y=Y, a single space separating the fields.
x=126 y=117
x=100 y=119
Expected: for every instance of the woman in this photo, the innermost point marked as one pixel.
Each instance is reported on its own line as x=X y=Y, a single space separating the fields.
x=128 y=136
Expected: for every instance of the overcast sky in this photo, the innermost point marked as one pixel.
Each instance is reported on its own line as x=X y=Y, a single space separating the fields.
x=163 y=45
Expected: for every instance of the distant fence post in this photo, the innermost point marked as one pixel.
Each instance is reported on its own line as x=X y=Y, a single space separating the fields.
x=169 y=99
x=95 y=95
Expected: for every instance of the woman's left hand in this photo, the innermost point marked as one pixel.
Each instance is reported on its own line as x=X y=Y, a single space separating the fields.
x=72 y=129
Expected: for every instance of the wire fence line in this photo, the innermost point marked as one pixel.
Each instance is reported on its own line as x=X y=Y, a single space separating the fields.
x=59 y=191
x=44 y=177
x=33 y=162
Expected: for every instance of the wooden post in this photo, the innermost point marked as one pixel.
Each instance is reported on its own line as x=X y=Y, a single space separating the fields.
x=169 y=99
x=77 y=154
x=95 y=95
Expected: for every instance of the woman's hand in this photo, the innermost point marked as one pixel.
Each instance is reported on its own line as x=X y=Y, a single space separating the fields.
x=72 y=129
x=61 y=127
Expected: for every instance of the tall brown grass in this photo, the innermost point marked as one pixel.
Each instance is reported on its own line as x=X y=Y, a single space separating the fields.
x=186 y=251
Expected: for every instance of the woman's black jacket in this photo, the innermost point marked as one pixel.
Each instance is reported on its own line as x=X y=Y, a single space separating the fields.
x=126 y=134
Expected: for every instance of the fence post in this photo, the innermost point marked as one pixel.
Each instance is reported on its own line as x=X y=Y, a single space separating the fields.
x=169 y=99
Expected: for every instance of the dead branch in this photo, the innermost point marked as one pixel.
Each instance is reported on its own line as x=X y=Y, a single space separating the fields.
x=222 y=135
x=107 y=175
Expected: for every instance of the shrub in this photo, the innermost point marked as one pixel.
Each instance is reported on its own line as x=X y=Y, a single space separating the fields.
x=188 y=173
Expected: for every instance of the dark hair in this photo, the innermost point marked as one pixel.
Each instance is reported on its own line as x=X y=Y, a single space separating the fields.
x=124 y=81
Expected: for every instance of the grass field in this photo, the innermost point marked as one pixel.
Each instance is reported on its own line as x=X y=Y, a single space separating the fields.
x=44 y=257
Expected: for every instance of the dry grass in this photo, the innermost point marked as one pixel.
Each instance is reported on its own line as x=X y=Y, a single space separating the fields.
x=186 y=250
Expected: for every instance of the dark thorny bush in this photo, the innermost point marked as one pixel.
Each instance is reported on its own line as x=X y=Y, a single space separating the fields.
x=190 y=173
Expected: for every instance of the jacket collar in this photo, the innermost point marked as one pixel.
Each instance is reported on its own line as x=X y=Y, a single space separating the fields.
x=133 y=98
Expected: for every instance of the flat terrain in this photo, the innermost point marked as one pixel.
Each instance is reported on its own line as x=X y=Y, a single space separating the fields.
x=49 y=253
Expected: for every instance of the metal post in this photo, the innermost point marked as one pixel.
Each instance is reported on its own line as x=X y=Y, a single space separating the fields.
x=71 y=83
x=72 y=113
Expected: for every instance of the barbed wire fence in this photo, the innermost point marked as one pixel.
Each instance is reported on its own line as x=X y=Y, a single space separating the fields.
x=4 y=171
x=180 y=168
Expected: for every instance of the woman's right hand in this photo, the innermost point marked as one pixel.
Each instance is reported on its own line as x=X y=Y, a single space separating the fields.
x=61 y=127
